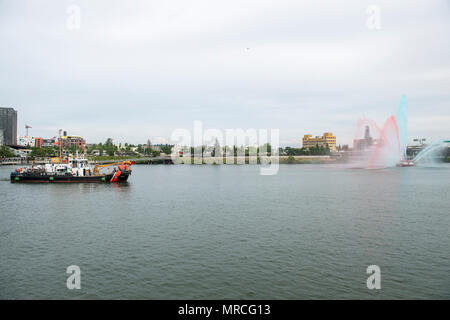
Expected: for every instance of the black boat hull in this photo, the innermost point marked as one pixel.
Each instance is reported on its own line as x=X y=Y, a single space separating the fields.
x=46 y=178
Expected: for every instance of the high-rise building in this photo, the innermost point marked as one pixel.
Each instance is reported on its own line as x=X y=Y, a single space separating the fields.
x=8 y=125
x=362 y=144
x=326 y=140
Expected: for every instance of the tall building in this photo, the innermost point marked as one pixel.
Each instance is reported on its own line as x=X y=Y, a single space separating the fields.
x=8 y=125
x=362 y=144
x=323 y=141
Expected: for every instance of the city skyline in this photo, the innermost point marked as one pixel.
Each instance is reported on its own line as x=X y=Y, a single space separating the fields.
x=314 y=139
x=133 y=73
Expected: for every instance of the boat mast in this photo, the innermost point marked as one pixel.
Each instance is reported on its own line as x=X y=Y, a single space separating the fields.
x=60 y=145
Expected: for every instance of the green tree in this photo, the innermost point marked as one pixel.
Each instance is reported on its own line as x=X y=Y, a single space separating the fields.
x=109 y=142
x=110 y=147
x=43 y=152
x=156 y=153
x=5 y=152
x=167 y=149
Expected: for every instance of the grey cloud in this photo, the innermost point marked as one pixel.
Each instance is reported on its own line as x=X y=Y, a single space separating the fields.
x=143 y=68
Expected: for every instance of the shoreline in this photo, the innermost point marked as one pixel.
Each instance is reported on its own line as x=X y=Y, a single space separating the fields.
x=181 y=160
x=248 y=160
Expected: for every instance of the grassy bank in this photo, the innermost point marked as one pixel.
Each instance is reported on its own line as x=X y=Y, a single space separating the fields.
x=281 y=160
x=306 y=161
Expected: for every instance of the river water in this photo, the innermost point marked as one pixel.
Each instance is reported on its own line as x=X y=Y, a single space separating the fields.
x=226 y=232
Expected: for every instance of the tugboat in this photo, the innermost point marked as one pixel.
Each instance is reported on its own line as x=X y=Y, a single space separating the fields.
x=72 y=169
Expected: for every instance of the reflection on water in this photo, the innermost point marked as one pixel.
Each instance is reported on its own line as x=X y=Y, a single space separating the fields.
x=205 y=232
x=121 y=187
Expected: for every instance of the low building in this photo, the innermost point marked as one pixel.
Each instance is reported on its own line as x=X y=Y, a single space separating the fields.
x=52 y=142
x=26 y=141
x=328 y=139
x=69 y=142
x=38 y=142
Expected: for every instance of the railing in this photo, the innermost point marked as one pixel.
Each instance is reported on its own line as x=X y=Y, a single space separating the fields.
x=27 y=160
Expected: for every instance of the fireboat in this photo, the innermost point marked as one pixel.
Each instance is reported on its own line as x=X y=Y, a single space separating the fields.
x=405 y=163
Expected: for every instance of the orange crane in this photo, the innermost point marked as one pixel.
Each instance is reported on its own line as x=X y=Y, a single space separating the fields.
x=99 y=167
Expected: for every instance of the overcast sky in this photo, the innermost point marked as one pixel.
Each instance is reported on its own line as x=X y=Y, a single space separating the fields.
x=140 y=69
